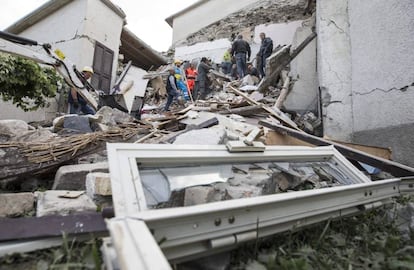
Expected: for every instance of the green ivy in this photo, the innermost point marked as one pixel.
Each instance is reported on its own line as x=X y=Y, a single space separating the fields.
x=25 y=83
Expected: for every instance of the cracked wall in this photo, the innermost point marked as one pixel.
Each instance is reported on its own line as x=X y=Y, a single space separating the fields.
x=382 y=63
x=73 y=29
x=334 y=68
x=365 y=66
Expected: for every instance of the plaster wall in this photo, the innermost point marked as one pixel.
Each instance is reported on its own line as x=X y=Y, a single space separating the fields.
x=334 y=68
x=63 y=29
x=304 y=94
x=280 y=33
x=73 y=29
x=10 y=111
x=382 y=63
x=204 y=15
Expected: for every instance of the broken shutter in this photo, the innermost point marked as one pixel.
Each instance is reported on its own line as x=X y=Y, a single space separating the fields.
x=102 y=66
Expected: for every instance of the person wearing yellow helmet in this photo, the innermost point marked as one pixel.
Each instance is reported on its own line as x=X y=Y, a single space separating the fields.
x=180 y=83
x=76 y=102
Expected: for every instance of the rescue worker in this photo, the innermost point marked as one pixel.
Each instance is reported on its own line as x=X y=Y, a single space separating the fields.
x=241 y=49
x=266 y=49
x=180 y=83
x=172 y=89
x=76 y=102
x=191 y=74
x=227 y=63
x=202 y=81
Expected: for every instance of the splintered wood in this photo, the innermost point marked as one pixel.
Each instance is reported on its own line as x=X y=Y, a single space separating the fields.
x=66 y=147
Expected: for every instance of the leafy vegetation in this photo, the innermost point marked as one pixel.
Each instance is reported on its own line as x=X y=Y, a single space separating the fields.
x=25 y=83
x=366 y=241
x=71 y=255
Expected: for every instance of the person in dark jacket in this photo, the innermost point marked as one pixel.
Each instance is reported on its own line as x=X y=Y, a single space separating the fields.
x=266 y=48
x=202 y=81
x=172 y=89
x=240 y=49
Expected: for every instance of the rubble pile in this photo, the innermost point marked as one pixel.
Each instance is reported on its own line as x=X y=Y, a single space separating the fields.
x=235 y=181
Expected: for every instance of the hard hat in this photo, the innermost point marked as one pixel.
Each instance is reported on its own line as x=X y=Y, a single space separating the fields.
x=87 y=69
x=177 y=61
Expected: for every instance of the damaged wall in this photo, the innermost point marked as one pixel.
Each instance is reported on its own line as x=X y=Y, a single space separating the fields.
x=230 y=22
x=334 y=68
x=365 y=65
x=73 y=28
x=383 y=75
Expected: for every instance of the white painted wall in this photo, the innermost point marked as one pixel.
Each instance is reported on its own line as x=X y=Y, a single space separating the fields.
x=304 y=93
x=204 y=15
x=73 y=29
x=382 y=63
x=281 y=33
x=334 y=68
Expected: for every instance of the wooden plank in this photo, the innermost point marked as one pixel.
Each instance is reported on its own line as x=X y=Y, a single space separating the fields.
x=275 y=138
x=394 y=168
x=269 y=80
x=273 y=111
x=380 y=152
x=50 y=226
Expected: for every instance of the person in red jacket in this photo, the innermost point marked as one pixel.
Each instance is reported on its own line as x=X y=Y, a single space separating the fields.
x=191 y=74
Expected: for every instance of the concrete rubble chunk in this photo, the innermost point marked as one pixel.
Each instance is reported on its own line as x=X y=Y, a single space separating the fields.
x=16 y=204
x=72 y=177
x=98 y=183
x=211 y=136
x=11 y=128
x=198 y=195
x=56 y=202
x=79 y=124
x=111 y=117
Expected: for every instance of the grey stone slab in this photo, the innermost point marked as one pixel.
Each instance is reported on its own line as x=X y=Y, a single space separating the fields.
x=56 y=202
x=77 y=123
x=16 y=204
x=72 y=177
x=211 y=136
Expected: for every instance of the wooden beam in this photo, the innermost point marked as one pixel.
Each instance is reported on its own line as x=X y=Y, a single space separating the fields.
x=50 y=226
x=394 y=168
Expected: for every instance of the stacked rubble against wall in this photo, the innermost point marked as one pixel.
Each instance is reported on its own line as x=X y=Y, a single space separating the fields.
x=262 y=12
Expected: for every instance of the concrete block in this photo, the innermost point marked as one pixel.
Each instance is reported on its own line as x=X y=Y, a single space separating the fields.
x=72 y=177
x=242 y=191
x=198 y=195
x=211 y=136
x=16 y=204
x=98 y=183
x=63 y=202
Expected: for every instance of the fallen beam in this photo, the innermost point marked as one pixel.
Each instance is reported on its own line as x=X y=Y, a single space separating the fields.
x=50 y=226
x=286 y=59
x=394 y=168
x=275 y=112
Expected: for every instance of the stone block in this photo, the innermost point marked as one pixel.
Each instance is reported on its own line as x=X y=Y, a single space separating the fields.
x=72 y=177
x=63 y=202
x=16 y=204
x=198 y=195
x=98 y=183
x=211 y=136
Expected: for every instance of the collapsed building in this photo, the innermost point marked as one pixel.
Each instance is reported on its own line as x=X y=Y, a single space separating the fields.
x=191 y=184
x=354 y=78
